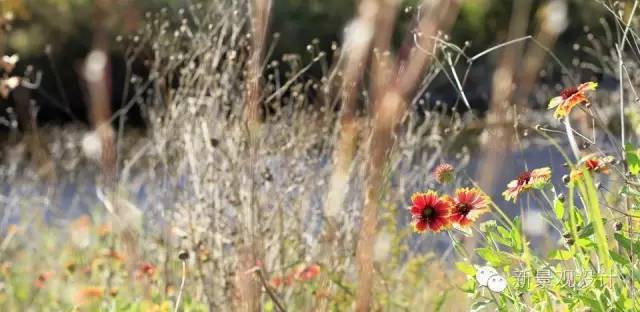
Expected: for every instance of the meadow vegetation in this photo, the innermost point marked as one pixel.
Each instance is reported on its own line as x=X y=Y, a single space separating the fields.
x=256 y=185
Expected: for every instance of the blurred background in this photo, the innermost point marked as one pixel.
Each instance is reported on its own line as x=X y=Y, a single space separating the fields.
x=54 y=37
x=251 y=136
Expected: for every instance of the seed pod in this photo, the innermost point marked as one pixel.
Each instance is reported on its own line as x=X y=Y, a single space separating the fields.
x=183 y=255
x=618 y=226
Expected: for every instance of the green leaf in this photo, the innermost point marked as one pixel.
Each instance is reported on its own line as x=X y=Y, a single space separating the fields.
x=633 y=160
x=466 y=268
x=495 y=258
x=469 y=286
x=561 y=255
x=623 y=241
x=517 y=238
x=558 y=208
x=586 y=243
x=619 y=258
x=479 y=305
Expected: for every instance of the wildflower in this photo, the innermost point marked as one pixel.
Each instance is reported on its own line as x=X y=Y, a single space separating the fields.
x=104 y=229
x=115 y=255
x=145 y=269
x=87 y=294
x=281 y=281
x=80 y=231
x=42 y=279
x=429 y=212
x=307 y=273
x=444 y=173
x=569 y=98
x=468 y=205
x=526 y=181
x=598 y=164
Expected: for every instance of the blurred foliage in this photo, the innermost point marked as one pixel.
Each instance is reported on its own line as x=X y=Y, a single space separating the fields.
x=65 y=29
x=299 y=22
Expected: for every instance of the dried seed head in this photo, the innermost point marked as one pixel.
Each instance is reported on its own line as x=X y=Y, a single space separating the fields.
x=618 y=226
x=183 y=255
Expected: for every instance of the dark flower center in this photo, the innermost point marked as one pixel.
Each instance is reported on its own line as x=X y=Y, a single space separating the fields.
x=427 y=213
x=463 y=208
x=524 y=178
x=567 y=93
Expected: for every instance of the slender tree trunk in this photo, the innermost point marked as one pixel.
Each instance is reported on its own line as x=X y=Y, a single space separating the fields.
x=389 y=110
x=250 y=252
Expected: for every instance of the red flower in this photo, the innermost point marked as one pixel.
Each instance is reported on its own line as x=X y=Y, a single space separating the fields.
x=444 y=173
x=429 y=212
x=308 y=273
x=279 y=281
x=467 y=206
x=526 y=181
x=42 y=279
x=145 y=270
x=569 y=98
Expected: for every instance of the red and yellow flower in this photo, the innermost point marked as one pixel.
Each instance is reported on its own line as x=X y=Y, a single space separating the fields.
x=597 y=164
x=430 y=212
x=526 y=181
x=592 y=164
x=467 y=206
x=444 y=173
x=569 y=98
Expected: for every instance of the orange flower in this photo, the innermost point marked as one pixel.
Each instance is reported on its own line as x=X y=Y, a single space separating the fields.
x=429 y=212
x=87 y=294
x=116 y=256
x=307 y=273
x=569 y=98
x=467 y=206
x=42 y=279
x=444 y=173
x=526 y=181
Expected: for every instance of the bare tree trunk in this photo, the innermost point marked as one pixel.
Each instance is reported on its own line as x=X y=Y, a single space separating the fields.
x=250 y=252
x=502 y=92
x=356 y=48
x=390 y=108
x=501 y=107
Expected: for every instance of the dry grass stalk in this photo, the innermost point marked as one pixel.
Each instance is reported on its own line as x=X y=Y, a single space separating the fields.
x=27 y=119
